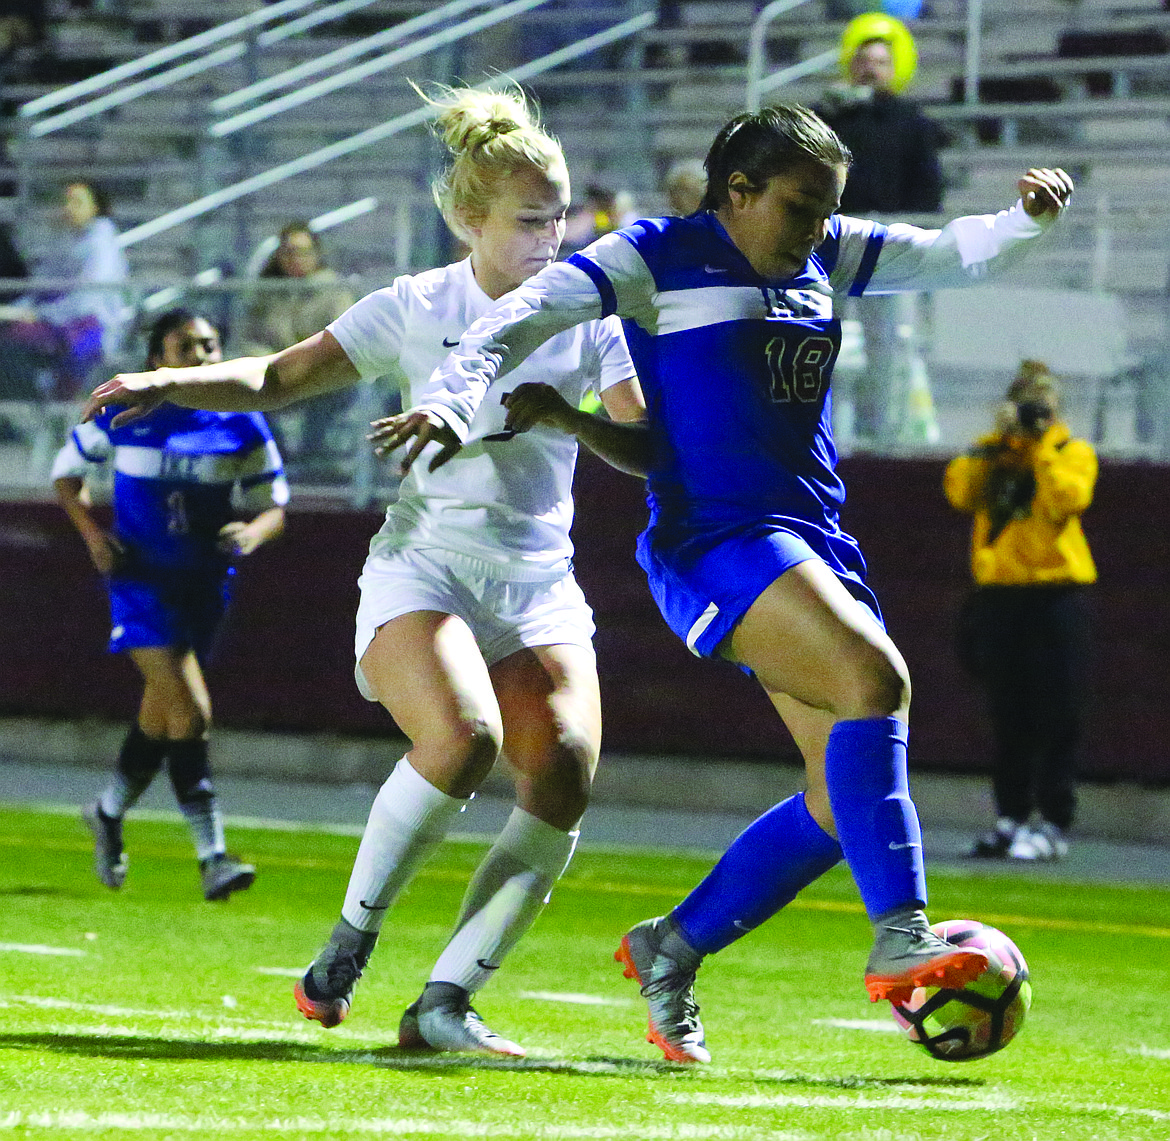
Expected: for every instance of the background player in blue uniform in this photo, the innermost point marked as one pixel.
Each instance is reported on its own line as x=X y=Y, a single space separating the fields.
x=178 y=478
x=729 y=316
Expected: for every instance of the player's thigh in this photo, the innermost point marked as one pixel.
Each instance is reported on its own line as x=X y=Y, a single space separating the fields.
x=808 y=637
x=175 y=701
x=551 y=710
x=550 y=702
x=427 y=670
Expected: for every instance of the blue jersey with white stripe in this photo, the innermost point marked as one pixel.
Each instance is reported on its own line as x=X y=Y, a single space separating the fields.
x=736 y=372
x=175 y=473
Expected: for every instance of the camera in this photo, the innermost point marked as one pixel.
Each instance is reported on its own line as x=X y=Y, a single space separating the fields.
x=1033 y=414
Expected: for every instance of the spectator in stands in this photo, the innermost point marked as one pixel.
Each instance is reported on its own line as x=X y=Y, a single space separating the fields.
x=685 y=184
x=74 y=330
x=167 y=563
x=1025 y=629
x=601 y=211
x=895 y=170
x=278 y=318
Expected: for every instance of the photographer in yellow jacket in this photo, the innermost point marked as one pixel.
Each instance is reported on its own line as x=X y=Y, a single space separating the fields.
x=1025 y=629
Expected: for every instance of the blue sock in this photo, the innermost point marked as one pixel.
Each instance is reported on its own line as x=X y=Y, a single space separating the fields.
x=766 y=865
x=877 y=823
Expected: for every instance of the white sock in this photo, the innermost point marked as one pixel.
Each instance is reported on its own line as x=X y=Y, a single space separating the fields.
x=505 y=896
x=206 y=823
x=407 y=823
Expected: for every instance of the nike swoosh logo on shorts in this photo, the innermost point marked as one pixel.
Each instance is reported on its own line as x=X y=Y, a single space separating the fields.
x=449 y=344
x=894 y=847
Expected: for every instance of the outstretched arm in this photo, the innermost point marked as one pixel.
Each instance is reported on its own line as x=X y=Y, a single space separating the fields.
x=876 y=259
x=247 y=384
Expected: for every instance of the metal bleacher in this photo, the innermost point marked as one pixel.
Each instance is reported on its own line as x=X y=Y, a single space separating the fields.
x=624 y=112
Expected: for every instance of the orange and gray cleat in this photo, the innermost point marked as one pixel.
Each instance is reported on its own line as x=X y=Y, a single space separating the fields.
x=656 y=956
x=325 y=993
x=907 y=954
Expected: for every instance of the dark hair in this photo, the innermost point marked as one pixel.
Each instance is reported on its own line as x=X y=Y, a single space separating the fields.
x=272 y=267
x=165 y=324
x=101 y=198
x=761 y=144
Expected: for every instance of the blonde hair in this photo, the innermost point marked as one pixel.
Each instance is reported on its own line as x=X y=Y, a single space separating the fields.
x=1033 y=374
x=489 y=135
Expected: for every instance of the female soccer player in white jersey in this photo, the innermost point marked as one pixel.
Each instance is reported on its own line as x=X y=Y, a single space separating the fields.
x=471 y=629
x=167 y=564
x=729 y=316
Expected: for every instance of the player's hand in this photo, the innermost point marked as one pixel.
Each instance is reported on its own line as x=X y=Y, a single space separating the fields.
x=236 y=539
x=531 y=404
x=1045 y=191
x=141 y=392
x=420 y=426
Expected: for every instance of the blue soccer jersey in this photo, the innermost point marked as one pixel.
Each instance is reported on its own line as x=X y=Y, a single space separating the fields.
x=736 y=370
x=180 y=474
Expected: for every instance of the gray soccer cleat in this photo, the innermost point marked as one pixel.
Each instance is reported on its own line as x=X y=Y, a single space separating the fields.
x=907 y=954
x=223 y=874
x=442 y=1018
x=663 y=964
x=326 y=991
x=109 y=860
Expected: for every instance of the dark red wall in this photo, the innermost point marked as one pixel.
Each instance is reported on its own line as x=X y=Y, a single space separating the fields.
x=286 y=659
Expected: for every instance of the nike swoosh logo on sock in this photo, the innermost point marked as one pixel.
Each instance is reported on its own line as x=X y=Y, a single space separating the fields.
x=488 y=966
x=372 y=906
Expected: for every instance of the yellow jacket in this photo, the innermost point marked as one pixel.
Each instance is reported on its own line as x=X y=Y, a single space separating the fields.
x=1027 y=498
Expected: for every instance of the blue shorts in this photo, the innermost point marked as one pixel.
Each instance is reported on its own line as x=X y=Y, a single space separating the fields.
x=704 y=593
x=180 y=612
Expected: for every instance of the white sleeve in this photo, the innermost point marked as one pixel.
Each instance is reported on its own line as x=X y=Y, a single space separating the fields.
x=261 y=479
x=371 y=330
x=87 y=444
x=613 y=355
x=963 y=252
x=606 y=277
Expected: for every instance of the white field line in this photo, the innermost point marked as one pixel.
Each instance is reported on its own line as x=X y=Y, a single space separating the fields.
x=847 y=1100
x=394 y=1127
x=1150 y=1052
x=41 y=949
x=282 y=972
x=221 y=1025
x=885 y=1026
x=573 y=998
x=991 y=1102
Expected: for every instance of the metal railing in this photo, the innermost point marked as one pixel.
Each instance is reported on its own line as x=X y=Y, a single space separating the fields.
x=371 y=135
x=757 y=81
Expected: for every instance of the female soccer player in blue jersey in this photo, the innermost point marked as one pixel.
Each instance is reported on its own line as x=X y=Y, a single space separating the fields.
x=729 y=316
x=167 y=563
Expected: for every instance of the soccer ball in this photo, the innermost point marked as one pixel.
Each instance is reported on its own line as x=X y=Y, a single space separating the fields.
x=955 y=1025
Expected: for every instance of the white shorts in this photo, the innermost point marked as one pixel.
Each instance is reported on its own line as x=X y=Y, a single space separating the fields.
x=504 y=616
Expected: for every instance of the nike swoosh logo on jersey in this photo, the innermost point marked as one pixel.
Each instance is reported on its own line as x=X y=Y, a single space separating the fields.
x=488 y=966
x=372 y=906
x=449 y=344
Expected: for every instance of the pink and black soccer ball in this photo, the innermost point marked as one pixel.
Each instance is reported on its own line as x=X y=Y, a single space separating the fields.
x=958 y=1024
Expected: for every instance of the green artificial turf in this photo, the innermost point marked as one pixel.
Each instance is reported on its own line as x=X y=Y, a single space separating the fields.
x=151 y=1014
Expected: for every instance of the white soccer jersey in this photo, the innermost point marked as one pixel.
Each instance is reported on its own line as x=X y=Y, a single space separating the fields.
x=505 y=503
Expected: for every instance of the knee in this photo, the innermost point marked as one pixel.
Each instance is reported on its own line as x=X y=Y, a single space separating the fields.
x=457 y=756
x=880 y=687
x=187 y=723
x=557 y=788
